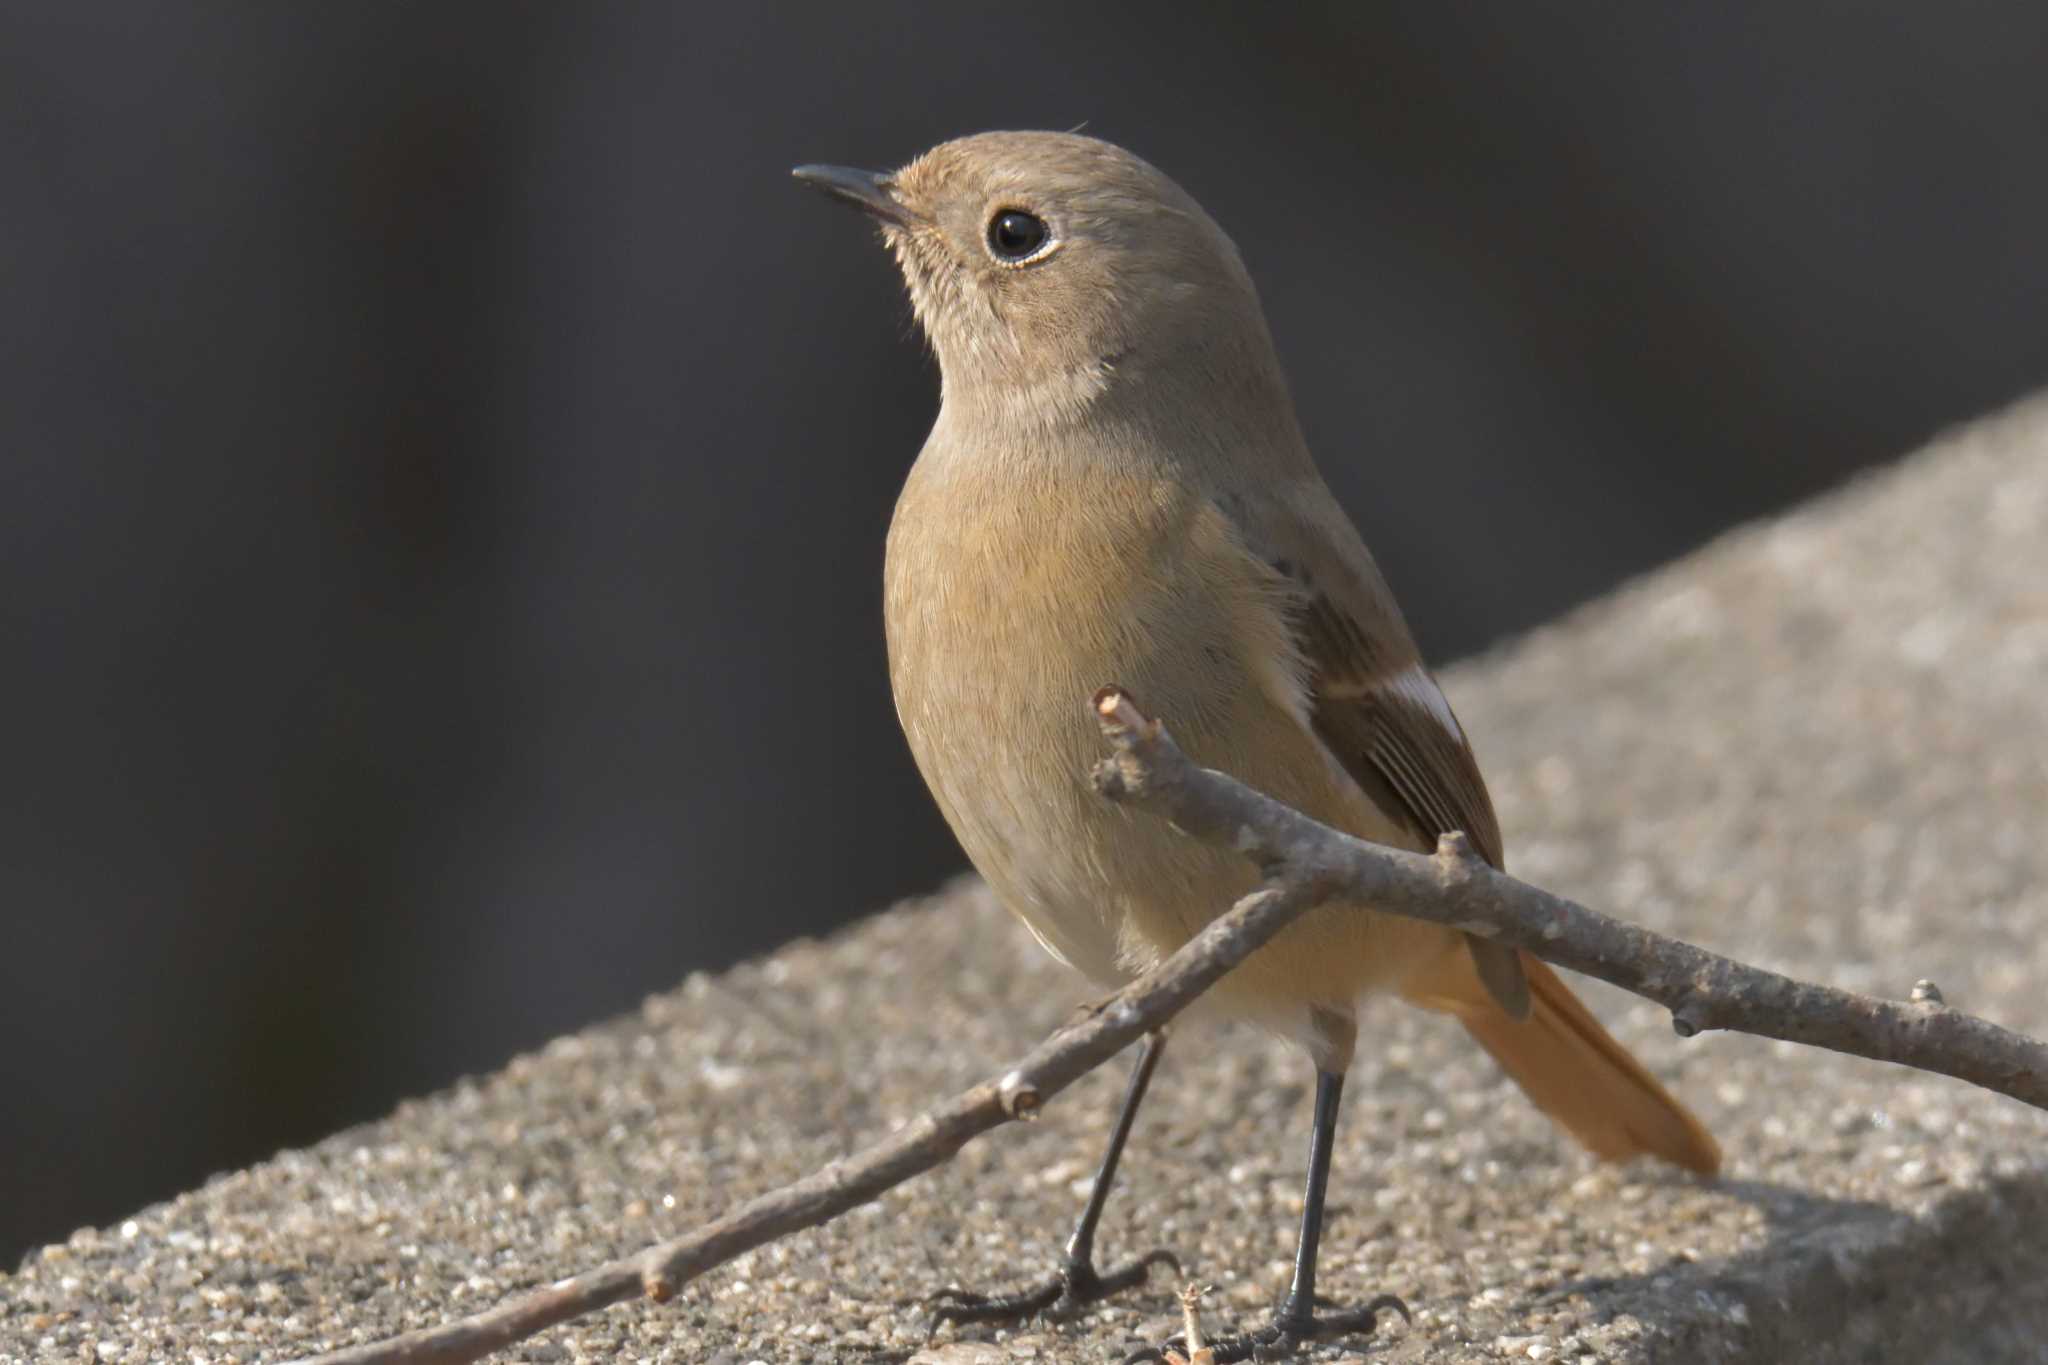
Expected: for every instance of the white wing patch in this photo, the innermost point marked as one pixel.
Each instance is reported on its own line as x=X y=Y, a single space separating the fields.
x=1414 y=683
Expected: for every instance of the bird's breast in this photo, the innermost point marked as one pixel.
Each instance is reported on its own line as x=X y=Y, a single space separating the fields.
x=1011 y=596
x=1009 y=601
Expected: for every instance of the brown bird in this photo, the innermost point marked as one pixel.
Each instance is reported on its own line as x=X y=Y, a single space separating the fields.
x=1116 y=490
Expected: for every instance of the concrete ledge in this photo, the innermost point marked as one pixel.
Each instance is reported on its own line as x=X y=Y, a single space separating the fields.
x=1820 y=744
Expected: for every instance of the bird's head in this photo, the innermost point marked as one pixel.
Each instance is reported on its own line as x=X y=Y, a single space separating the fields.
x=1049 y=269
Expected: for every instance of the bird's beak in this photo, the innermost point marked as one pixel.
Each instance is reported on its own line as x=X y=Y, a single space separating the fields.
x=867 y=191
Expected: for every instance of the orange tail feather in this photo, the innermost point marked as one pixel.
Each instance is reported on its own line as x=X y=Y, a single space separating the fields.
x=1569 y=1066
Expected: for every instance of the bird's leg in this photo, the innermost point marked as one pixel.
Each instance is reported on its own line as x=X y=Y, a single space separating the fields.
x=1075 y=1283
x=1296 y=1320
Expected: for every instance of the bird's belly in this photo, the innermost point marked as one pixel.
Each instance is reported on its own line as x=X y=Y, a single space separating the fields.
x=993 y=680
x=1001 y=731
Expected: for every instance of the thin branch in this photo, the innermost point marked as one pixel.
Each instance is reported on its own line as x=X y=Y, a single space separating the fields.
x=1455 y=887
x=930 y=1140
x=1304 y=864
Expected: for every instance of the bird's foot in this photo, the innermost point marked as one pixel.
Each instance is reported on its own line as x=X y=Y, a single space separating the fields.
x=1072 y=1287
x=1292 y=1328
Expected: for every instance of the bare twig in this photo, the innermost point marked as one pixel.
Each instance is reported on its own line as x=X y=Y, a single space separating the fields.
x=1304 y=864
x=1456 y=887
x=932 y=1139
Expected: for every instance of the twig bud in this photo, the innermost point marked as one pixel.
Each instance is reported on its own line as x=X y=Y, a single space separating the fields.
x=1019 y=1098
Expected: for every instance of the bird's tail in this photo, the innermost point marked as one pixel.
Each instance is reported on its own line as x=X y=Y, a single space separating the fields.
x=1569 y=1066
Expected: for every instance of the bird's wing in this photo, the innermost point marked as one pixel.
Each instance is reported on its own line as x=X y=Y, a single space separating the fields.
x=1372 y=702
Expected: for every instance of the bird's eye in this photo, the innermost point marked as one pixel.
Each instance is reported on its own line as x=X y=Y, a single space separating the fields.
x=1016 y=236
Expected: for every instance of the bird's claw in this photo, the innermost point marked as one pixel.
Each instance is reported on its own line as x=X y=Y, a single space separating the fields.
x=1069 y=1289
x=1278 y=1340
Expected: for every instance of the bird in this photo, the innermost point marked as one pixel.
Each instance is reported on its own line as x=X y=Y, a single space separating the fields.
x=1117 y=490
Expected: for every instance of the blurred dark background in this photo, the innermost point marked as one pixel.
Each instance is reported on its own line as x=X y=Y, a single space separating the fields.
x=444 y=461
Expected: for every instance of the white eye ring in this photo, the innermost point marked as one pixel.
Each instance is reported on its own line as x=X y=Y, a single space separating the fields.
x=1018 y=237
